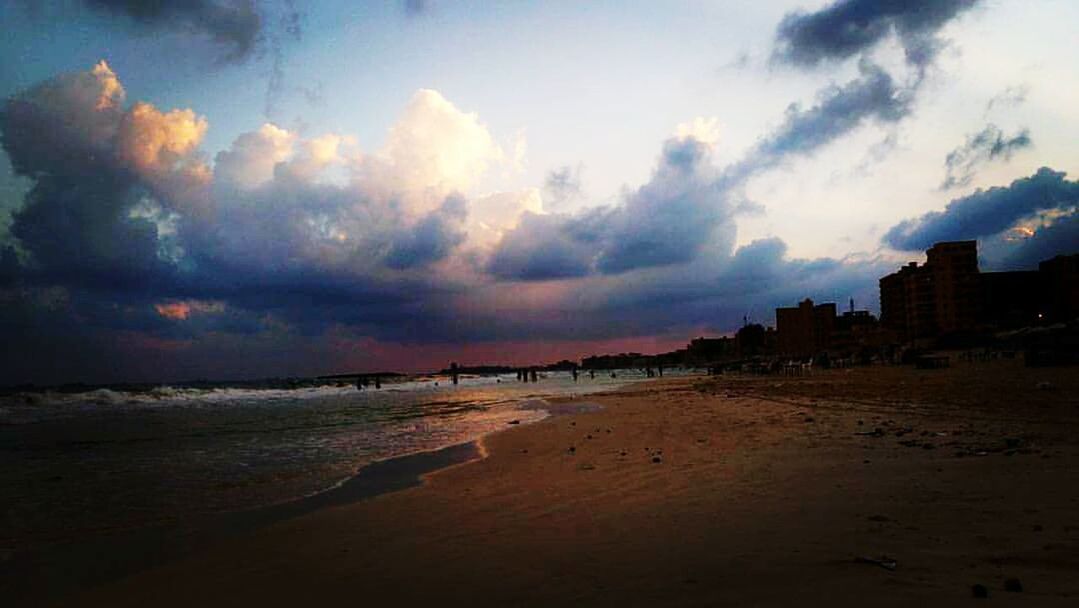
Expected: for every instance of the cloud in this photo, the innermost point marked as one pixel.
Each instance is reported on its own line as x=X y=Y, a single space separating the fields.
x=251 y=159
x=838 y=111
x=299 y=236
x=1059 y=237
x=432 y=238
x=416 y=8
x=984 y=146
x=233 y=24
x=1011 y=96
x=688 y=205
x=987 y=212
x=289 y=28
x=492 y=215
x=540 y=248
x=668 y=220
x=57 y=124
x=847 y=28
x=562 y=186
x=705 y=130
x=434 y=148
x=92 y=164
x=181 y=310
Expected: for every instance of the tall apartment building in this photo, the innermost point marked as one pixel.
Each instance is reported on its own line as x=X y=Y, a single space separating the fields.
x=956 y=285
x=940 y=297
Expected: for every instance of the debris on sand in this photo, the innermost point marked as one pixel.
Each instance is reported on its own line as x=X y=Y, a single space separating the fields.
x=883 y=561
x=877 y=432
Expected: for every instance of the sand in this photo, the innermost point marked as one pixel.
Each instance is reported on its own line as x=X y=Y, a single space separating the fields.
x=735 y=490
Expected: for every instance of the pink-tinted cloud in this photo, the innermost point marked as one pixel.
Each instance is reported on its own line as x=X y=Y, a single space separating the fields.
x=181 y=310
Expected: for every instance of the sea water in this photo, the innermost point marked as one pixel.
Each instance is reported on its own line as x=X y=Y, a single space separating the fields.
x=107 y=460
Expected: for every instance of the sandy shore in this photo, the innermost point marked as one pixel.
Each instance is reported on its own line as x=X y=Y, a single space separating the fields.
x=735 y=490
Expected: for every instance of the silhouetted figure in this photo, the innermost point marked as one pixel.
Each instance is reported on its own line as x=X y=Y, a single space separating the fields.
x=591 y=374
x=575 y=374
x=453 y=372
x=534 y=377
x=378 y=382
x=659 y=368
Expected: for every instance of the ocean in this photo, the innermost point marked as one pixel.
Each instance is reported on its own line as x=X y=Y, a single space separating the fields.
x=79 y=465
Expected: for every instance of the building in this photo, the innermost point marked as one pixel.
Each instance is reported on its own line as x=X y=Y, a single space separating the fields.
x=906 y=303
x=806 y=329
x=702 y=350
x=1009 y=299
x=1060 y=288
x=755 y=340
x=955 y=283
x=941 y=297
x=948 y=296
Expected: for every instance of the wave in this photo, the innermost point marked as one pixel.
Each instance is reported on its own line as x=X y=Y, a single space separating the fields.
x=165 y=394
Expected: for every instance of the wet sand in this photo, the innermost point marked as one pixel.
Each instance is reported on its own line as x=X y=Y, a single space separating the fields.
x=733 y=490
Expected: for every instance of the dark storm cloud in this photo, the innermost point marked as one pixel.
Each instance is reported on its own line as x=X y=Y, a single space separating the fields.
x=433 y=238
x=679 y=212
x=717 y=292
x=108 y=218
x=1059 y=238
x=666 y=221
x=74 y=219
x=669 y=219
x=541 y=248
x=987 y=212
x=235 y=24
x=984 y=146
x=838 y=111
x=847 y=28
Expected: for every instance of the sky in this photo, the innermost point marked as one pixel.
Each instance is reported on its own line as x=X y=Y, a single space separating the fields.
x=227 y=189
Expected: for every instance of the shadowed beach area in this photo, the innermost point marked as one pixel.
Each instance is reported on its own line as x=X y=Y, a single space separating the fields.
x=881 y=485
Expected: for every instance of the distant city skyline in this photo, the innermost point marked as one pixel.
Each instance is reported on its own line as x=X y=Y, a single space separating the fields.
x=233 y=189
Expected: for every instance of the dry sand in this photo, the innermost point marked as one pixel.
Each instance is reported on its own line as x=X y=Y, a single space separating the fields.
x=764 y=494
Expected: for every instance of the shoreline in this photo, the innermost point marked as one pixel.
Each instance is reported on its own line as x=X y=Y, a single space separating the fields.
x=139 y=549
x=702 y=491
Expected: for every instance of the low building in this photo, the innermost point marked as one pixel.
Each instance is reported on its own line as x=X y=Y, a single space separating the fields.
x=711 y=350
x=806 y=329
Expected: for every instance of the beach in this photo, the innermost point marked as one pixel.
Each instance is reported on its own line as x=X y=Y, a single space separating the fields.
x=880 y=485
